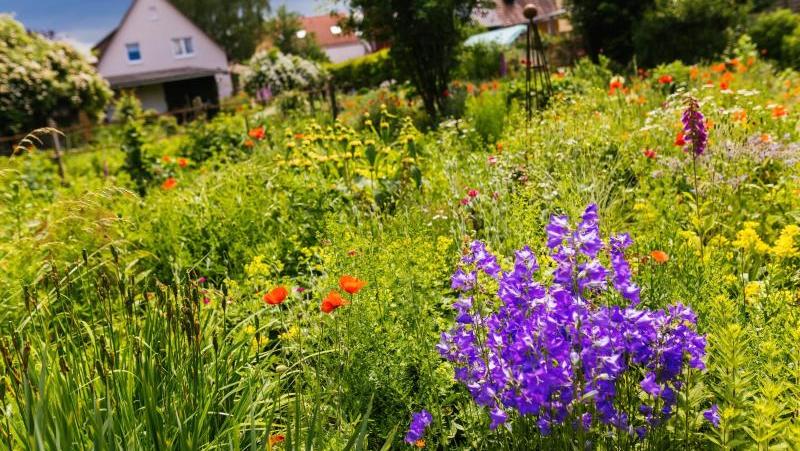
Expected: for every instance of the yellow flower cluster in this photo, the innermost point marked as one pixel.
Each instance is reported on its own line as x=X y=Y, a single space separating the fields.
x=785 y=244
x=748 y=239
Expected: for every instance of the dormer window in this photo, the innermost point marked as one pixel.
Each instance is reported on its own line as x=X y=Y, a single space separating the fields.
x=134 y=53
x=182 y=47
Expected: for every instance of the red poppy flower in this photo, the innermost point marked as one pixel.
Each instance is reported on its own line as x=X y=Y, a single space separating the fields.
x=660 y=257
x=331 y=302
x=183 y=162
x=275 y=439
x=257 y=133
x=166 y=159
x=169 y=184
x=351 y=284
x=680 y=140
x=650 y=153
x=473 y=193
x=779 y=111
x=724 y=85
x=665 y=79
x=249 y=144
x=276 y=296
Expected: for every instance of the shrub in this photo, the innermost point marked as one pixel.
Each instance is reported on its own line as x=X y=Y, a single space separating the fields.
x=222 y=136
x=686 y=30
x=487 y=113
x=41 y=79
x=364 y=72
x=281 y=72
x=770 y=30
x=480 y=62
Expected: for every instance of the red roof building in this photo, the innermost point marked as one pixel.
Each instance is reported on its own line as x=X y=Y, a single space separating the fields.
x=338 y=44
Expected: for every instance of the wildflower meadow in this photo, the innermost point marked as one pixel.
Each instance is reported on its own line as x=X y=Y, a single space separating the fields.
x=619 y=272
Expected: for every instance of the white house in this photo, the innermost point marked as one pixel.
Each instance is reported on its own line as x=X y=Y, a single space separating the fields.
x=164 y=58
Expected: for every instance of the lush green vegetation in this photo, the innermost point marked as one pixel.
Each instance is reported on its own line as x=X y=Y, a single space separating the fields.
x=142 y=300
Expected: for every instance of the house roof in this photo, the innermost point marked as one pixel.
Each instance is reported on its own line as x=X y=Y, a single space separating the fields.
x=321 y=27
x=159 y=76
x=509 y=12
x=101 y=47
x=501 y=36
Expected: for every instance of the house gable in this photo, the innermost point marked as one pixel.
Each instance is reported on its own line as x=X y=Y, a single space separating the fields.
x=152 y=25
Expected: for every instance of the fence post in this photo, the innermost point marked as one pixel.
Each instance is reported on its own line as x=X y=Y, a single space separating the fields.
x=332 y=96
x=57 y=156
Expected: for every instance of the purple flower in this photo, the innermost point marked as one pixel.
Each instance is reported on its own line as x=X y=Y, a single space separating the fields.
x=694 y=128
x=712 y=415
x=419 y=422
x=550 y=350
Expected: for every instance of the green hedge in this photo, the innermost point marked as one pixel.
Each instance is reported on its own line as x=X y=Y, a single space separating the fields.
x=364 y=72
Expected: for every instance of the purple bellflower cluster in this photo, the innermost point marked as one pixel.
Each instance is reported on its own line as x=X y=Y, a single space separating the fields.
x=694 y=128
x=559 y=351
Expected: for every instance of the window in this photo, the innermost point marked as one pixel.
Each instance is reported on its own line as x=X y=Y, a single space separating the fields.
x=182 y=47
x=134 y=54
x=336 y=30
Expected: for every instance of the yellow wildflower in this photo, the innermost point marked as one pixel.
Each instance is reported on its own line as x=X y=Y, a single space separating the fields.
x=752 y=290
x=291 y=334
x=748 y=239
x=785 y=244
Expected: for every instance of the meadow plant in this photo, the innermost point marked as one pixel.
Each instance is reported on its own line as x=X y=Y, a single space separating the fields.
x=561 y=350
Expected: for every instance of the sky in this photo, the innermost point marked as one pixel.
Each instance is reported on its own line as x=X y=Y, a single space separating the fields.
x=85 y=22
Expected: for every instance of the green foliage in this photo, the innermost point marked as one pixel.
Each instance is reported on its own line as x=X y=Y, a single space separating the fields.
x=608 y=26
x=236 y=25
x=487 y=113
x=686 y=30
x=281 y=30
x=42 y=79
x=769 y=30
x=137 y=163
x=424 y=37
x=221 y=137
x=366 y=71
x=480 y=63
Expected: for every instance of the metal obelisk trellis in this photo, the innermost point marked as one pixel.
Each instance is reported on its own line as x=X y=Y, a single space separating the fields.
x=537 y=75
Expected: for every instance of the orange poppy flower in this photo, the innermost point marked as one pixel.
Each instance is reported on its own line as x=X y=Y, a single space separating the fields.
x=331 y=302
x=275 y=439
x=166 y=159
x=183 y=162
x=257 y=133
x=665 y=79
x=276 y=296
x=779 y=111
x=249 y=144
x=420 y=443
x=721 y=67
x=169 y=184
x=693 y=71
x=765 y=138
x=680 y=140
x=660 y=257
x=351 y=284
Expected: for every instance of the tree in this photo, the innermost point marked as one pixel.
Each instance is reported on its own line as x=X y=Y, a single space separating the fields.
x=606 y=26
x=770 y=30
x=42 y=79
x=236 y=25
x=282 y=31
x=687 y=30
x=424 y=36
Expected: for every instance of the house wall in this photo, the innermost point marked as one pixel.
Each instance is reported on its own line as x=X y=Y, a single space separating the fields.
x=152 y=97
x=345 y=52
x=153 y=24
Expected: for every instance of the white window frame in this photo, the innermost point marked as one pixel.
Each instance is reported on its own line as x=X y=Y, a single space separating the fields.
x=179 y=50
x=128 y=46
